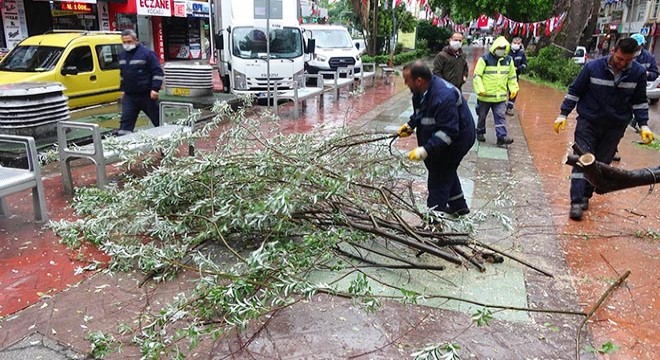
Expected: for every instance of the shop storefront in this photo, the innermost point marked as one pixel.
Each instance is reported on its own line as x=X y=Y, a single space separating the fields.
x=187 y=32
x=145 y=17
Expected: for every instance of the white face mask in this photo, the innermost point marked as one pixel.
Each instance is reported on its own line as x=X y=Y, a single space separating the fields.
x=637 y=53
x=499 y=52
x=129 y=47
x=455 y=45
x=515 y=47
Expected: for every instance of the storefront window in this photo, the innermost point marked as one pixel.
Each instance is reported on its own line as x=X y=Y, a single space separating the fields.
x=126 y=21
x=186 y=38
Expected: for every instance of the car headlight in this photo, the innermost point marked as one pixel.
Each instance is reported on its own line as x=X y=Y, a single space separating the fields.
x=321 y=58
x=240 y=81
x=299 y=78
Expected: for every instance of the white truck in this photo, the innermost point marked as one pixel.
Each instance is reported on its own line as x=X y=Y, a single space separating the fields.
x=334 y=48
x=245 y=55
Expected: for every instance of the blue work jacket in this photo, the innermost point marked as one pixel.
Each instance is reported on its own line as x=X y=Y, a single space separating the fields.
x=647 y=60
x=442 y=118
x=140 y=71
x=604 y=100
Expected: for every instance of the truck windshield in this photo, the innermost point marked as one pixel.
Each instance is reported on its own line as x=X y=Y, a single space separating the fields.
x=32 y=58
x=331 y=38
x=250 y=43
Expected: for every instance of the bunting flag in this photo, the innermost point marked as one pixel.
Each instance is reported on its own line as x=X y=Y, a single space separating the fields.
x=501 y=23
x=397 y=3
x=482 y=21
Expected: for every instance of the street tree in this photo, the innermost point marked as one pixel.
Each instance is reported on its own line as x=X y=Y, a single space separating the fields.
x=581 y=17
x=518 y=10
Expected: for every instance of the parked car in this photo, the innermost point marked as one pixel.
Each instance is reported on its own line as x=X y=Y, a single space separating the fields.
x=85 y=62
x=334 y=48
x=580 y=55
x=653 y=90
x=360 y=45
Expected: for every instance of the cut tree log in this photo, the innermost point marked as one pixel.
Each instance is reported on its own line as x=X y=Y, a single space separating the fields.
x=606 y=178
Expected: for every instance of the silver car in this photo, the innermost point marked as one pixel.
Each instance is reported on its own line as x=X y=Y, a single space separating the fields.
x=653 y=90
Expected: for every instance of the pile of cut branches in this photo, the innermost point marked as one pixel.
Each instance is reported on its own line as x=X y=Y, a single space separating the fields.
x=302 y=200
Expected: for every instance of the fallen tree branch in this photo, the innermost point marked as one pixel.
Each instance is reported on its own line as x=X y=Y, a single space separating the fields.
x=606 y=178
x=594 y=308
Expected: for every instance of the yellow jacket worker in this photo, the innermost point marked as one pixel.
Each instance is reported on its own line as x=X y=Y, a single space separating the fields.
x=494 y=79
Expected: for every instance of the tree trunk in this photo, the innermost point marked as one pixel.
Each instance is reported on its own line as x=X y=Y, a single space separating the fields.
x=362 y=8
x=605 y=178
x=588 y=32
x=577 y=16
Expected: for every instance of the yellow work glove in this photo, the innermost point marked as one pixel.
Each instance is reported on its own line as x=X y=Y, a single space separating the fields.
x=560 y=123
x=418 y=154
x=405 y=130
x=513 y=94
x=647 y=134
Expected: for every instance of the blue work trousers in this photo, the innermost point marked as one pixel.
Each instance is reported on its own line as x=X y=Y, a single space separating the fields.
x=600 y=140
x=131 y=104
x=445 y=192
x=498 y=115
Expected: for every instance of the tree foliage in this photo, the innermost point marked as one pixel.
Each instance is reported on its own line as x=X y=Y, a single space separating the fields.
x=517 y=10
x=435 y=37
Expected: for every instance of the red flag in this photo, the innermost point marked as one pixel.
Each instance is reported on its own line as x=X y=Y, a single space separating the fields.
x=524 y=30
x=482 y=21
x=547 y=27
x=397 y=3
x=434 y=22
x=560 y=22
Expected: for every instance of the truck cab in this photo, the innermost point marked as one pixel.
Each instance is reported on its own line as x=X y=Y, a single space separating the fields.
x=260 y=49
x=334 y=49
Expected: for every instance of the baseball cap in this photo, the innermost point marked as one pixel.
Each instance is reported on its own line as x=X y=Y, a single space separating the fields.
x=639 y=38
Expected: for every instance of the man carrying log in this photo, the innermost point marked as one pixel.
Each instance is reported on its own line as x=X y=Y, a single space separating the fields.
x=607 y=92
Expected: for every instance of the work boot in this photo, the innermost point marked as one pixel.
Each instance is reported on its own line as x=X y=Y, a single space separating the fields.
x=481 y=137
x=509 y=111
x=585 y=204
x=504 y=141
x=576 y=211
x=459 y=212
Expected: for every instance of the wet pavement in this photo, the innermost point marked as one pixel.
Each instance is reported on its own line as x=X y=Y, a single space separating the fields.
x=41 y=295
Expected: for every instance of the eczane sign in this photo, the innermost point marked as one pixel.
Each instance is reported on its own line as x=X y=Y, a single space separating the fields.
x=154 y=7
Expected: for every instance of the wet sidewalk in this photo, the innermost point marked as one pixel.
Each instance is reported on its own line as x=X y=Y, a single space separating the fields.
x=525 y=182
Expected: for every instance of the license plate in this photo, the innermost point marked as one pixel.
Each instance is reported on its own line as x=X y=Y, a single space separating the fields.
x=180 y=92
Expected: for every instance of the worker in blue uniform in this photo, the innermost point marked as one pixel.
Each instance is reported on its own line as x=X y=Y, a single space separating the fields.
x=141 y=79
x=445 y=134
x=520 y=62
x=645 y=58
x=607 y=92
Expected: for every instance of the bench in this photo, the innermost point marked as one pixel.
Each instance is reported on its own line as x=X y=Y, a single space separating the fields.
x=13 y=180
x=386 y=72
x=299 y=95
x=364 y=75
x=337 y=82
x=106 y=151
